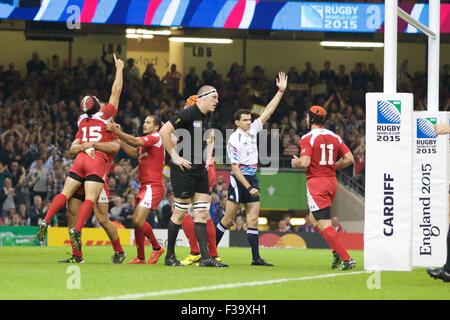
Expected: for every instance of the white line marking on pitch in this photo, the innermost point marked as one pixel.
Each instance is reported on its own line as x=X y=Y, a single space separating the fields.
x=225 y=286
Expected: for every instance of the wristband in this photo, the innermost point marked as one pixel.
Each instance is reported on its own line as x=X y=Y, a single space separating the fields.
x=249 y=188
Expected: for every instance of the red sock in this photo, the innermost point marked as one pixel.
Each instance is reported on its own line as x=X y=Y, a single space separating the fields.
x=58 y=202
x=331 y=236
x=84 y=213
x=189 y=231
x=148 y=231
x=140 y=242
x=211 y=232
x=117 y=247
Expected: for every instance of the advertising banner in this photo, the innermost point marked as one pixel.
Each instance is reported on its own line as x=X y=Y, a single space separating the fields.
x=229 y=14
x=18 y=236
x=388 y=203
x=430 y=191
x=59 y=236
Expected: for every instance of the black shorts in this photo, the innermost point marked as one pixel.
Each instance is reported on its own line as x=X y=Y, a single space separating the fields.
x=187 y=183
x=238 y=193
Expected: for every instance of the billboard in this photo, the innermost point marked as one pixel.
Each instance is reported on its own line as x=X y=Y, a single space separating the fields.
x=228 y=14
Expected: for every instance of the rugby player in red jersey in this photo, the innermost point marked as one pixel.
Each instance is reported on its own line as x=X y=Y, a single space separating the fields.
x=91 y=166
x=151 y=155
x=100 y=209
x=322 y=153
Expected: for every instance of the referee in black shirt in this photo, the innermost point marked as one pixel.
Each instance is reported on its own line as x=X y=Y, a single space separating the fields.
x=190 y=178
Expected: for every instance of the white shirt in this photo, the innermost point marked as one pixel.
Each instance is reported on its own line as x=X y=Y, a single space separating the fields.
x=242 y=148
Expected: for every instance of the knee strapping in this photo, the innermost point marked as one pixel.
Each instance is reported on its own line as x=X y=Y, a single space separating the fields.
x=201 y=205
x=184 y=207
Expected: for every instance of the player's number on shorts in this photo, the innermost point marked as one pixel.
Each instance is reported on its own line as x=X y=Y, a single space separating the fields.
x=92 y=134
x=323 y=160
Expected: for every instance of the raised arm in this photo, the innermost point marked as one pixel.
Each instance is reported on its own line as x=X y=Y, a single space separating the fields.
x=118 y=82
x=273 y=104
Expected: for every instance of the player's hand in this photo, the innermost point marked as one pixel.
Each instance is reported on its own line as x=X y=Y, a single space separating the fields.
x=254 y=192
x=294 y=161
x=180 y=161
x=282 y=81
x=113 y=126
x=441 y=128
x=119 y=63
x=192 y=100
x=90 y=152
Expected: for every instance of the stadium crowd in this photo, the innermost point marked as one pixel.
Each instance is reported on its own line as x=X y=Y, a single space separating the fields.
x=39 y=111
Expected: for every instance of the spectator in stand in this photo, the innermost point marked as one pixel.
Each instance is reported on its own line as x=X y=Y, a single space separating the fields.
x=239 y=223
x=209 y=76
x=336 y=225
x=290 y=144
x=342 y=80
x=38 y=179
x=309 y=76
x=150 y=80
x=308 y=226
x=132 y=69
x=35 y=64
x=327 y=75
x=191 y=83
x=36 y=213
x=359 y=77
x=7 y=197
x=172 y=79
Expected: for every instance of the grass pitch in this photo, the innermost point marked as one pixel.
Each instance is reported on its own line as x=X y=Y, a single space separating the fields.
x=33 y=273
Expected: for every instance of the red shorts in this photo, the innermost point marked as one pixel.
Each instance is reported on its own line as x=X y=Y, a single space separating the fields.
x=150 y=195
x=321 y=192
x=84 y=166
x=102 y=198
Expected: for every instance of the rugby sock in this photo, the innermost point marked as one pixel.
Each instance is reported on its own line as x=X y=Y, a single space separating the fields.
x=189 y=231
x=75 y=252
x=253 y=239
x=117 y=247
x=58 y=202
x=447 y=265
x=139 y=236
x=172 y=233
x=148 y=231
x=331 y=237
x=84 y=213
x=200 y=232
x=220 y=230
x=211 y=233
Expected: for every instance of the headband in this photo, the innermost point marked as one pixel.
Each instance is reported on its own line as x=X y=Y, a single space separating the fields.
x=207 y=93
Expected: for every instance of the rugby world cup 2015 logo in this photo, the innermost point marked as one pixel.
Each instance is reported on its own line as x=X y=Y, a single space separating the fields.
x=389 y=120
x=426 y=135
x=312 y=16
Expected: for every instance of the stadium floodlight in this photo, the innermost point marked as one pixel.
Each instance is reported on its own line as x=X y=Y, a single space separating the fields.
x=262 y=221
x=147 y=32
x=201 y=40
x=297 y=221
x=351 y=44
x=139 y=36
